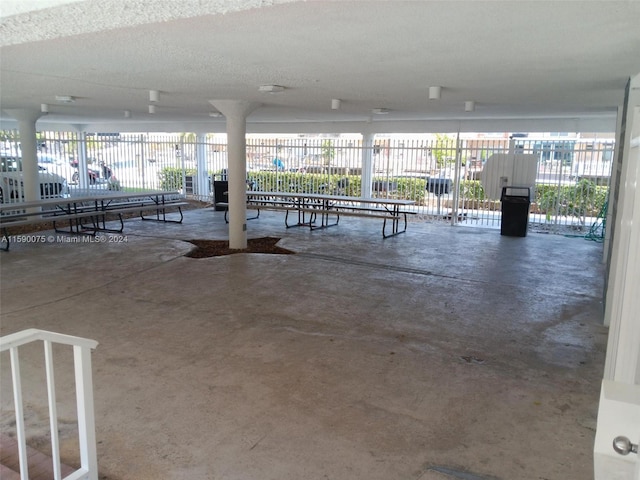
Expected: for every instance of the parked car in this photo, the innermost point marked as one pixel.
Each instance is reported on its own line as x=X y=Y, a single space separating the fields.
x=12 y=185
x=47 y=161
x=92 y=173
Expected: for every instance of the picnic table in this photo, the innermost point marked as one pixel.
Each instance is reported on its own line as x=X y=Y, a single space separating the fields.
x=87 y=214
x=318 y=211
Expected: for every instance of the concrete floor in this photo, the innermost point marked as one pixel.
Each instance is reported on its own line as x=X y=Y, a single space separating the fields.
x=441 y=353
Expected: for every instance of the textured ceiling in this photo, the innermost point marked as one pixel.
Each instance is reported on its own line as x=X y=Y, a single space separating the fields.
x=554 y=64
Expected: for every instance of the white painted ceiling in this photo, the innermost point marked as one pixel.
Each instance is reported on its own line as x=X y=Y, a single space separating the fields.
x=548 y=63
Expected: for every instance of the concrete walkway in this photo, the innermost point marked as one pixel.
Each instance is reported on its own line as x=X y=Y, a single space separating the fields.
x=437 y=354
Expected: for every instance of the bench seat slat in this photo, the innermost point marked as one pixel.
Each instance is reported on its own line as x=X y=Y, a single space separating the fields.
x=147 y=207
x=47 y=218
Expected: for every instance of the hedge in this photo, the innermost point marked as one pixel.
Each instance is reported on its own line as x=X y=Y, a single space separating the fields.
x=582 y=199
x=171 y=177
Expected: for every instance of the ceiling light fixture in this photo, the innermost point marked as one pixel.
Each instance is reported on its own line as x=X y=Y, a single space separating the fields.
x=335 y=104
x=154 y=96
x=215 y=114
x=271 y=88
x=380 y=111
x=44 y=108
x=435 y=93
x=127 y=114
x=152 y=109
x=469 y=106
x=65 y=98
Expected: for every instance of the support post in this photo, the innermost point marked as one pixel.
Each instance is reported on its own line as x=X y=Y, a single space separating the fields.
x=201 y=167
x=83 y=166
x=367 y=164
x=236 y=112
x=29 y=151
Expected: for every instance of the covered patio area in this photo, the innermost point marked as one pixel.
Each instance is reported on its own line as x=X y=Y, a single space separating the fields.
x=436 y=354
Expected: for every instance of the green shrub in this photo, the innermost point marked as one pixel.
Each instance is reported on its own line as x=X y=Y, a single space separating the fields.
x=411 y=188
x=171 y=177
x=581 y=200
x=472 y=190
x=584 y=199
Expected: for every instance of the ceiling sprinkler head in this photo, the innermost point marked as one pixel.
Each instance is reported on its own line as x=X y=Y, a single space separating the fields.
x=65 y=98
x=271 y=88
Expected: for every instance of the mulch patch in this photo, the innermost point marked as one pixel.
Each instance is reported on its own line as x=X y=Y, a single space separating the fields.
x=217 y=248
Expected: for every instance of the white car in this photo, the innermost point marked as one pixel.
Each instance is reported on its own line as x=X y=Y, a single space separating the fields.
x=48 y=161
x=12 y=186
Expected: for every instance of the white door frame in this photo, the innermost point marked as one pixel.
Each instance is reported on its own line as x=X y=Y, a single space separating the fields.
x=619 y=410
x=622 y=312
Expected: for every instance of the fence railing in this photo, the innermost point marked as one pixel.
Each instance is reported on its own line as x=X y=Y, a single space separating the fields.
x=84 y=399
x=571 y=185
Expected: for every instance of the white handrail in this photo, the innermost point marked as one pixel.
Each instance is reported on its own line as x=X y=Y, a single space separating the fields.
x=84 y=399
x=33 y=334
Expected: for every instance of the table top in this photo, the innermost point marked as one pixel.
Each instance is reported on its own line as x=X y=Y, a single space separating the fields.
x=49 y=202
x=85 y=198
x=335 y=198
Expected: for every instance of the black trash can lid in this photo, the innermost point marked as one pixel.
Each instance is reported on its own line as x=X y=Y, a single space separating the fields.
x=515 y=192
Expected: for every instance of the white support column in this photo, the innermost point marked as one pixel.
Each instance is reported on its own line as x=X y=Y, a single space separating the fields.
x=236 y=113
x=201 y=165
x=367 y=164
x=142 y=162
x=83 y=173
x=29 y=147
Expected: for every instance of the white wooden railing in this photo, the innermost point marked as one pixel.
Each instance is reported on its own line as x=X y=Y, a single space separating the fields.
x=84 y=397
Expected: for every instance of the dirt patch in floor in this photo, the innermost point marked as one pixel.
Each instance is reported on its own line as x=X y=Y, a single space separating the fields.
x=217 y=248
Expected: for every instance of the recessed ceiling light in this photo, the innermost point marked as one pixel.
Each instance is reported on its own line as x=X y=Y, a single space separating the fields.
x=152 y=109
x=127 y=114
x=469 y=106
x=44 y=108
x=271 y=88
x=65 y=98
x=154 y=96
x=335 y=104
x=380 y=111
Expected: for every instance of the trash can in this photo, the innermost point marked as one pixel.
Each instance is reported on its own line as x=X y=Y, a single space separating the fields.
x=438 y=186
x=515 y=211
x=220 y=194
